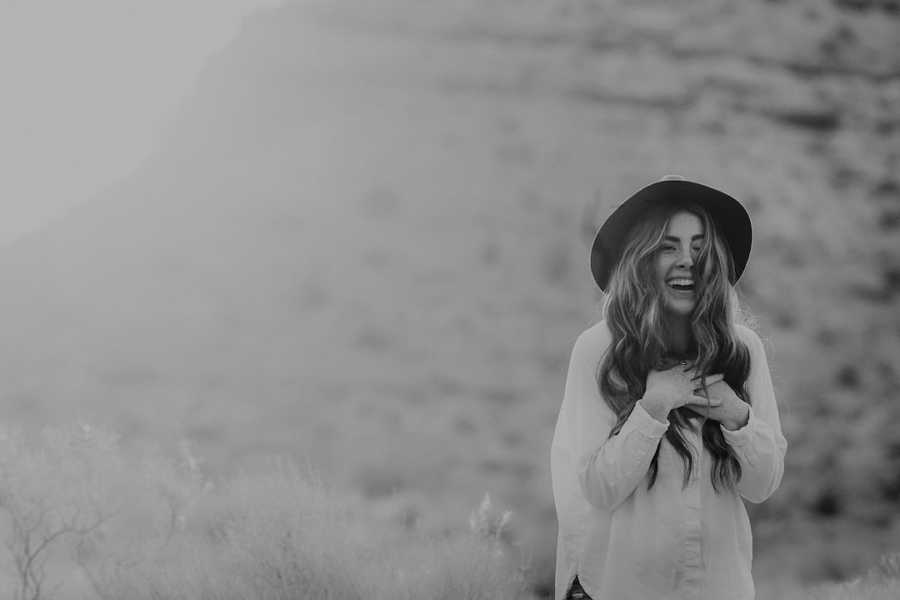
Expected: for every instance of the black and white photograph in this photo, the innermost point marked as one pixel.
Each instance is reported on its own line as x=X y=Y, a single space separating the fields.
x=450 y=300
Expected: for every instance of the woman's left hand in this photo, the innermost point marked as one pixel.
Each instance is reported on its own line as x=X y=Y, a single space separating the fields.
x=731 y=411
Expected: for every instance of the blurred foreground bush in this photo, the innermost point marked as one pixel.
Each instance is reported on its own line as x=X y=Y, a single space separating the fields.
x=80 y=518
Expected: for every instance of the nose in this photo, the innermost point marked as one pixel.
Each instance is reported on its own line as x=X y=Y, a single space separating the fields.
x=686 y=259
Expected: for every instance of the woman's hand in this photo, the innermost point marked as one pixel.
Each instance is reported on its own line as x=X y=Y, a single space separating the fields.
x=725 y=406
x=672 y=388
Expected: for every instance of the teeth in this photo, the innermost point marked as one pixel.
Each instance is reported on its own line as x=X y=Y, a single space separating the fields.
x=681 y=282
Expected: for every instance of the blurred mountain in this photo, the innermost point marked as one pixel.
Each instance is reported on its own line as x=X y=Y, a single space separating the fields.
x=363 y=241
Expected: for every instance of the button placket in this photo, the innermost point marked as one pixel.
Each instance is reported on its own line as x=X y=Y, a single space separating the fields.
x=692 y=558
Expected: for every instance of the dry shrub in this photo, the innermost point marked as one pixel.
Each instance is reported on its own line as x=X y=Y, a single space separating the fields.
x=149 y=527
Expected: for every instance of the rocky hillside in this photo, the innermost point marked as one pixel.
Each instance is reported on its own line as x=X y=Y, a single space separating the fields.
x=363 y=243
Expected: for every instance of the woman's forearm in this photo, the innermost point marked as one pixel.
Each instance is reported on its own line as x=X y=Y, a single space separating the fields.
x=611 y=472
x=761 y=456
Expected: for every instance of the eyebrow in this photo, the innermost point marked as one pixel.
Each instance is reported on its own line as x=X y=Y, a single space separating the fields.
x=672 y=238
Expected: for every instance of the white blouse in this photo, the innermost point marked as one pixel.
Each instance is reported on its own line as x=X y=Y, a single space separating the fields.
x=626 y=543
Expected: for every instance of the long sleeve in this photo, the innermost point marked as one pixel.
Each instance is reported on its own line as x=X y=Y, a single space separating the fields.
x=608 y=469
x=609 y=473
x=759 y=444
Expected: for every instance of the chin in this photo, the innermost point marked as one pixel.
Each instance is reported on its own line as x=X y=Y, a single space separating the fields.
x=679 y=309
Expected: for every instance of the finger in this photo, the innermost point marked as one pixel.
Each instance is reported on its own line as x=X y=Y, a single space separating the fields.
x=701 y=391
x=711 y=379
x=701 y=401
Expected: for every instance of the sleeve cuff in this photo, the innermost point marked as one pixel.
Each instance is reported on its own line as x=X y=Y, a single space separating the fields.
x=742 y=435
x=641 y=421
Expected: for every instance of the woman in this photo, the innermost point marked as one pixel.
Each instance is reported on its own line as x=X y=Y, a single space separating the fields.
x=669 y=420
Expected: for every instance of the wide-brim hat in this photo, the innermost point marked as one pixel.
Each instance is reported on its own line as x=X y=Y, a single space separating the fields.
x=729 y=215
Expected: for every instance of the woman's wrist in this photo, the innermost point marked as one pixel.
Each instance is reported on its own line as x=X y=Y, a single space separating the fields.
x=740 y=421
x=654 y=408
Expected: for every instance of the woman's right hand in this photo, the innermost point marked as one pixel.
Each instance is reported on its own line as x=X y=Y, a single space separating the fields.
x=672 y=388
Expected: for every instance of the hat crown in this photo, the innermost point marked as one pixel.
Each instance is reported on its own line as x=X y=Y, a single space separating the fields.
x=673 y=177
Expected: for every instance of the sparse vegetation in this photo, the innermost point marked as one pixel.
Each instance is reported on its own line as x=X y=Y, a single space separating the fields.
x=83 y=519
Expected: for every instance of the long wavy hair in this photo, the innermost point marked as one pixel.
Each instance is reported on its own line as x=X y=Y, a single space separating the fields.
x=635 y=314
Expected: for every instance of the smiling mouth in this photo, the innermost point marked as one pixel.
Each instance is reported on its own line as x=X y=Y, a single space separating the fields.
x=681 y=284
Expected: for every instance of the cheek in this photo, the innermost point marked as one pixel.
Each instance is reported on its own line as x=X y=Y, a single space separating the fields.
x=662 y=266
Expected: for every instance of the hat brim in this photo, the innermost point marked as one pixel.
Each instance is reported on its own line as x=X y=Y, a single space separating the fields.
x=730 y=216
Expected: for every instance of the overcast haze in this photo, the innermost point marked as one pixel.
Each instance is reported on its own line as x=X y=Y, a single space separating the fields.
x=87 y=86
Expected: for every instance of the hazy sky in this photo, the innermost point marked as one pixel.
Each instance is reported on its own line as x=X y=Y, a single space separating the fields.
x=85 y=86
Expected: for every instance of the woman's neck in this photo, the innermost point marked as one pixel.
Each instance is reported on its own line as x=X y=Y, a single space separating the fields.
x=678 y=335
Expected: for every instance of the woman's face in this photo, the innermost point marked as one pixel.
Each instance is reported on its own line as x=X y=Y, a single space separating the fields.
x=675 y=262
